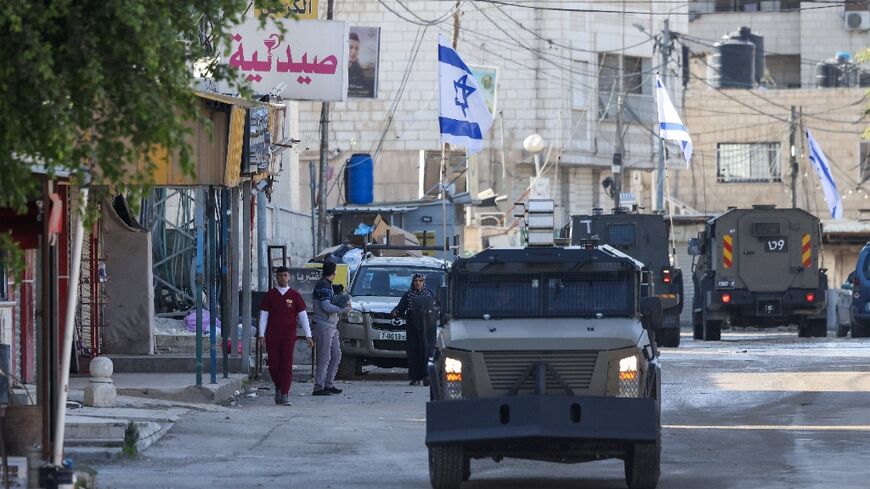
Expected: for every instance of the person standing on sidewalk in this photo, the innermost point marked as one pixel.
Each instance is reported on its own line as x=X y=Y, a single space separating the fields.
x=282 y=310
x=324 y=317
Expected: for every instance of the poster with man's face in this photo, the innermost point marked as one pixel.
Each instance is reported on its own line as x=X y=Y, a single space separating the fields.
x=362 y=65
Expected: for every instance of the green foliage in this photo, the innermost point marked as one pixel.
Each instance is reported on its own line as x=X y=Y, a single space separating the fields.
x=864 y=58
x=12 y=260
x=131 y=438
x=91 y=86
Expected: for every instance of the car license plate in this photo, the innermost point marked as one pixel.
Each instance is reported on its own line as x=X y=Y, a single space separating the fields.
x=392 y=335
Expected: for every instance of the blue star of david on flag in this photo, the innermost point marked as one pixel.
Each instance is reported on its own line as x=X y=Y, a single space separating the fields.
x=462 y=93
x=463 y=116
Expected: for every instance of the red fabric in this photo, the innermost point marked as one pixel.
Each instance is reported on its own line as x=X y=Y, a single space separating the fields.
x=281 y=362
x=283 y=310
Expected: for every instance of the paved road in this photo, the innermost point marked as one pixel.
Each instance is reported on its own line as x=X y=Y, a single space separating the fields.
x=759 y=409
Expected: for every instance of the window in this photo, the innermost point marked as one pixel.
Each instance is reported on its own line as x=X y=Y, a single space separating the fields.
x=748 y=162
x=784 y=69
x=579 y=94
x=634 y=73
x=864 y=161
x=756 y=5
x=391 y=282
x=565 y=295
x=621 y=234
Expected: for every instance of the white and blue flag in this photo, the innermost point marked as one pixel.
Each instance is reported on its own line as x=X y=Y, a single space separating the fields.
x=823 y=170
x=670 y=125
x=463 y=116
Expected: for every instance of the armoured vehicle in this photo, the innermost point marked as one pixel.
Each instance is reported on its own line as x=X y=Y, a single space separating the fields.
x=545 y=353
x=759 y=267
x=644 y=237
x=369 y=334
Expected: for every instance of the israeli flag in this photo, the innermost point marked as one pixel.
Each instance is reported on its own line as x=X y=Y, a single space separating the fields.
x=823 y=170
x=463 y=117
x=670 y=125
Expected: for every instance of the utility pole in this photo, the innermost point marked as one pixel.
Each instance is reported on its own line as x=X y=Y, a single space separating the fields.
x=324 y=159
x=617 y=156
x=792 y=126
x=443 y=173
x=660 y=172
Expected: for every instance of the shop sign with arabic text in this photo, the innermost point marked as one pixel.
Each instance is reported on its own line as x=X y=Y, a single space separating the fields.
x=307 y=62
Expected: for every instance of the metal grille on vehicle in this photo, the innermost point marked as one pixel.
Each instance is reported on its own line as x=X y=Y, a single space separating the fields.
x=506 y=367
x=385 y=322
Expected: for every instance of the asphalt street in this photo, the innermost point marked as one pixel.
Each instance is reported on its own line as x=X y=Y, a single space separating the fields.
x=759 y=409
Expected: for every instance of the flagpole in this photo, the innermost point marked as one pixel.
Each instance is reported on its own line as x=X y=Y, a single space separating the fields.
x=444 y=200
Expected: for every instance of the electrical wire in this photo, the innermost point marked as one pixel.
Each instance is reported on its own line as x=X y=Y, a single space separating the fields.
x=622 y=12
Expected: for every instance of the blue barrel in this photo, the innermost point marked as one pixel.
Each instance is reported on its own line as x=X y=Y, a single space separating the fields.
x=360 y=179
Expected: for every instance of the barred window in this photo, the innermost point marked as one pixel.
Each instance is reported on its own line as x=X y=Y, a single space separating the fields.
x=748 y=162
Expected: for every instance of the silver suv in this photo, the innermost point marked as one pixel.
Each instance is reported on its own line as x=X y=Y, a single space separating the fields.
x=369 y=334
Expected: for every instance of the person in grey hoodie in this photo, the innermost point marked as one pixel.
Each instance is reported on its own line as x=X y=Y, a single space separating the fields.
x=324 y=319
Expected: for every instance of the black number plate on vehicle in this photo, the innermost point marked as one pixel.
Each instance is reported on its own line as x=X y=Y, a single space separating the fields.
x=776 y=245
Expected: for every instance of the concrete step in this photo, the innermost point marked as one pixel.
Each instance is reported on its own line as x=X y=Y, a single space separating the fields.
x=88 y=447
x=183 y=344
x=168 y=363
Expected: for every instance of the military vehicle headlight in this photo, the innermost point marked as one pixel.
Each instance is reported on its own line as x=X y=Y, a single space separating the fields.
x=354 y=316
x=629 y=378
x=453 y=375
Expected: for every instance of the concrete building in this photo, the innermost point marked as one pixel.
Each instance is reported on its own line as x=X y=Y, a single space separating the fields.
x=741 y=137
x=560 y=75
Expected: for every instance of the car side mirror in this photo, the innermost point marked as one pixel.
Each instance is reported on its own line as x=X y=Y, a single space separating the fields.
x=442 y=297
x=651 y=310
x=694 y=246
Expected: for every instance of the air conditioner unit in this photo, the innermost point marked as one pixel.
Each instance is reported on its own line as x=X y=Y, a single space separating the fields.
x=857 y=21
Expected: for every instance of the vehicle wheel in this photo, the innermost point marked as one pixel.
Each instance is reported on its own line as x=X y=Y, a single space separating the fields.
x=697 y=328
x=842 y=331
x=860 y=331
x=643 y=465
x=712 y=330
x=349 y=367
x=446 y=467
x=669 y=337
x=819 y=328
x=466 y=469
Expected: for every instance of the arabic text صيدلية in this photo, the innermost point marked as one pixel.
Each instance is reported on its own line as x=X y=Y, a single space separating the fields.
x=326 y=66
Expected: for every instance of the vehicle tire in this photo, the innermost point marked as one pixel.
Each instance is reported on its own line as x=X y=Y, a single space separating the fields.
x=349 y=368
x=860 y=331
x=697 y=327
x=819 y=328
x=643 y=465
x=446 y=467
x=712 y=330
x=804 y=328
x=466 y=469
x=668 y=337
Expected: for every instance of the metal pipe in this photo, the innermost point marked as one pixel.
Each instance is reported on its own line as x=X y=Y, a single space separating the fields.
x=262 y=242
x=234 y=268
x=226 y=324
x=68 y=328
x=212 y=285
x=247 y=222
x=199 y=223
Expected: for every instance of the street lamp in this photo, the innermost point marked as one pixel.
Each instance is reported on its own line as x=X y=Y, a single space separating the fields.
x=534 y=144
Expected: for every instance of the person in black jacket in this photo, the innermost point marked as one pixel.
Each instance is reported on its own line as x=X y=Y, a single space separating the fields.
x=415 y=307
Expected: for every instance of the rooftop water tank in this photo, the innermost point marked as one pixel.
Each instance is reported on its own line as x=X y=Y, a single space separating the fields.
x=359 y=178
x=734 y=61
x=838 y=71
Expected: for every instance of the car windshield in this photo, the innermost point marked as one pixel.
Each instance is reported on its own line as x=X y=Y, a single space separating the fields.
x=392 y=281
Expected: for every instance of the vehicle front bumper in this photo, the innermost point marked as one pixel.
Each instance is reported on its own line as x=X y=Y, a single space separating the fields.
x=541 y=417
x=364 y=340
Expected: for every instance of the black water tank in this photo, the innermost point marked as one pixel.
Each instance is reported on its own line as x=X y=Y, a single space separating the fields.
x=838 y=71
x=758 y=41
x=733 y=63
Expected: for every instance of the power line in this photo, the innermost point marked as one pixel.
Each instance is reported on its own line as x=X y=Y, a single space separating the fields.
x=623 y=12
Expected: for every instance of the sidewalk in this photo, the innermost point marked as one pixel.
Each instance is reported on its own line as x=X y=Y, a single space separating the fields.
x=148 y=406
x=170 y=386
